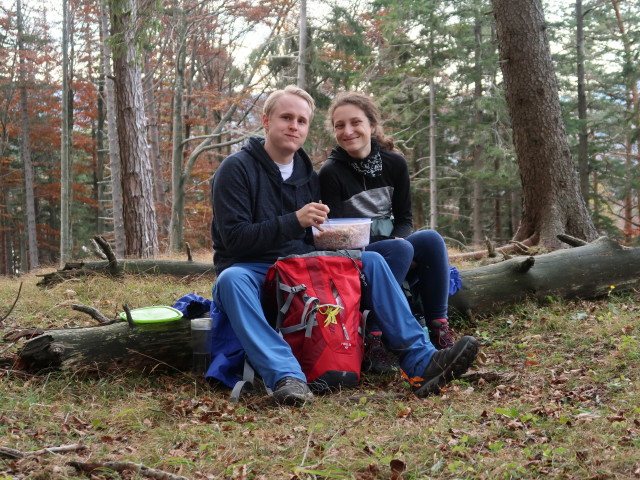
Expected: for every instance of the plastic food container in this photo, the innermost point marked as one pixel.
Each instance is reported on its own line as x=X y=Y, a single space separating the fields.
x=343 y=234
x=153 y=315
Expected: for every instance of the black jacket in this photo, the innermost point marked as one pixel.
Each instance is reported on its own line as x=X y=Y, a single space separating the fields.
x=254 y=218
x=350 y=194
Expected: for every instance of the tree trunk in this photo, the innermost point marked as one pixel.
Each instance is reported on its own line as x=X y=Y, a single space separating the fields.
x=100 y=156
x=433 y=174
x=25 y=149
x=154 y=150
x=65 y=144
x=631 y=81
x=178 y=180
x=583 y=150
x=139 y=213
x=303 y=54
x=478 y=150
x=553 y=204
x=112 y=134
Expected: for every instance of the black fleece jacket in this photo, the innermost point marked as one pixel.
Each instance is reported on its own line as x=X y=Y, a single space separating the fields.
x=254 y=218
x=351 y=194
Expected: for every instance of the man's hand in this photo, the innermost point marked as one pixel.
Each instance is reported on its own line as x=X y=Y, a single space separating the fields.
x=312 y=215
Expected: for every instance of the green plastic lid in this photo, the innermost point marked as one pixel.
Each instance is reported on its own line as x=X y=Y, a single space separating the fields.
x=157 y=314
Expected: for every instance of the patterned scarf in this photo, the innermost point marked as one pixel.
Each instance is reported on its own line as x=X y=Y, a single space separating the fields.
x=371 y=165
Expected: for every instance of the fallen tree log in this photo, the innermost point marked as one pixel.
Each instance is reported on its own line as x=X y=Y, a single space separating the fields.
x=136 y=267
x=584 y=272
x=110 y=348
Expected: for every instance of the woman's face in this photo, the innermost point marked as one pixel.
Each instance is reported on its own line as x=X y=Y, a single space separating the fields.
x=352 y=130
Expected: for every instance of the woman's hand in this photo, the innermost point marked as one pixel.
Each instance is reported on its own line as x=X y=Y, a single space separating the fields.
x=312 y=215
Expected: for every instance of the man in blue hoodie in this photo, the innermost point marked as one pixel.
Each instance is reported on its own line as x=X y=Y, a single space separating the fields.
x=265 y=199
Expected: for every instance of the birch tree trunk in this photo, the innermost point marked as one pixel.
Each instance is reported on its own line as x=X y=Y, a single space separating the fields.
x=112 y=134
x=25 y=148
x=139 y=213
x=553 y=203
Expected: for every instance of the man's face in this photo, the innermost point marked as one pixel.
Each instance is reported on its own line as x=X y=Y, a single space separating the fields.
x=288 y=124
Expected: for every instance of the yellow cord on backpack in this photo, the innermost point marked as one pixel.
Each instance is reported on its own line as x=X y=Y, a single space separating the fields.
x=330 y=312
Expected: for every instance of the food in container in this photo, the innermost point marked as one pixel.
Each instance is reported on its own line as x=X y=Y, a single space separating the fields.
x=342 y=234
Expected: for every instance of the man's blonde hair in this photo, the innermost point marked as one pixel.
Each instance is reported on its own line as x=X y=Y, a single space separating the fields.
x=269 y=104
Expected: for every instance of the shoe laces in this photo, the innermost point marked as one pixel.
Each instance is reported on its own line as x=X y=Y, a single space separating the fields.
x=442 y=333
x=288 y=382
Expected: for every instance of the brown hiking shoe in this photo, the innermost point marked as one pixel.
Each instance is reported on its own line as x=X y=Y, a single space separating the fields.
x=446 y=365
x=291 y=391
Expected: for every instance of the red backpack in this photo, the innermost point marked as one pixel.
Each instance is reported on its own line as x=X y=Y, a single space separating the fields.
x=318 y=302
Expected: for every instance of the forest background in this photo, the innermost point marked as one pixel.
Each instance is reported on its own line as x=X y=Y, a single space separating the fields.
x=206 y=67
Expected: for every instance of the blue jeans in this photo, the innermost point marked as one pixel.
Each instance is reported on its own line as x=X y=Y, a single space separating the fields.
x=238 y=291
x=430 y=276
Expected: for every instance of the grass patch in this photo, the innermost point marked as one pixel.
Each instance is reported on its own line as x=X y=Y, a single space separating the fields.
x=569 y=410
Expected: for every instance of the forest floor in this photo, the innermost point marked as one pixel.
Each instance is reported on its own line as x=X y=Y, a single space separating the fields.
x=555 y=394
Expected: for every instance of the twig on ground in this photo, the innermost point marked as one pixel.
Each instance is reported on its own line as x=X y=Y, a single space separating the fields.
x=122 y=466
x=14 y=303
x=13 y=453
x=93 y=313
x=306 y=450
x=572 y=241
x=488 y=376
x=17 y=373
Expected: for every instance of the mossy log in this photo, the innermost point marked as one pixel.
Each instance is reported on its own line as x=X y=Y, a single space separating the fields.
x=586 y=272
x=110 y=348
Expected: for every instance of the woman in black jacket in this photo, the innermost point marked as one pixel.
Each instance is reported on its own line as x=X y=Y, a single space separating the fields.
x=366 y=177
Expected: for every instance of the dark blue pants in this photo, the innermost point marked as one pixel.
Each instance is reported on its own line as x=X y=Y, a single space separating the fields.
x=430 y=274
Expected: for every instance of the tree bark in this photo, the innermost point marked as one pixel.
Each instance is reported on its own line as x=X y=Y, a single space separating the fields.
x=177 y=140
x=588 y=271
x=303 y=55
x=25 y=148
x=110 y=348
x=159 y=267
x=154 y=150
x=478 y=149
x=553 y=203
x=139 y=213
x=583 y=140
x=631 y=80
x=112 y=134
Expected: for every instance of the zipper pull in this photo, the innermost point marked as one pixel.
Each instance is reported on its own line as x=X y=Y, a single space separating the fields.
x=344 y=329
